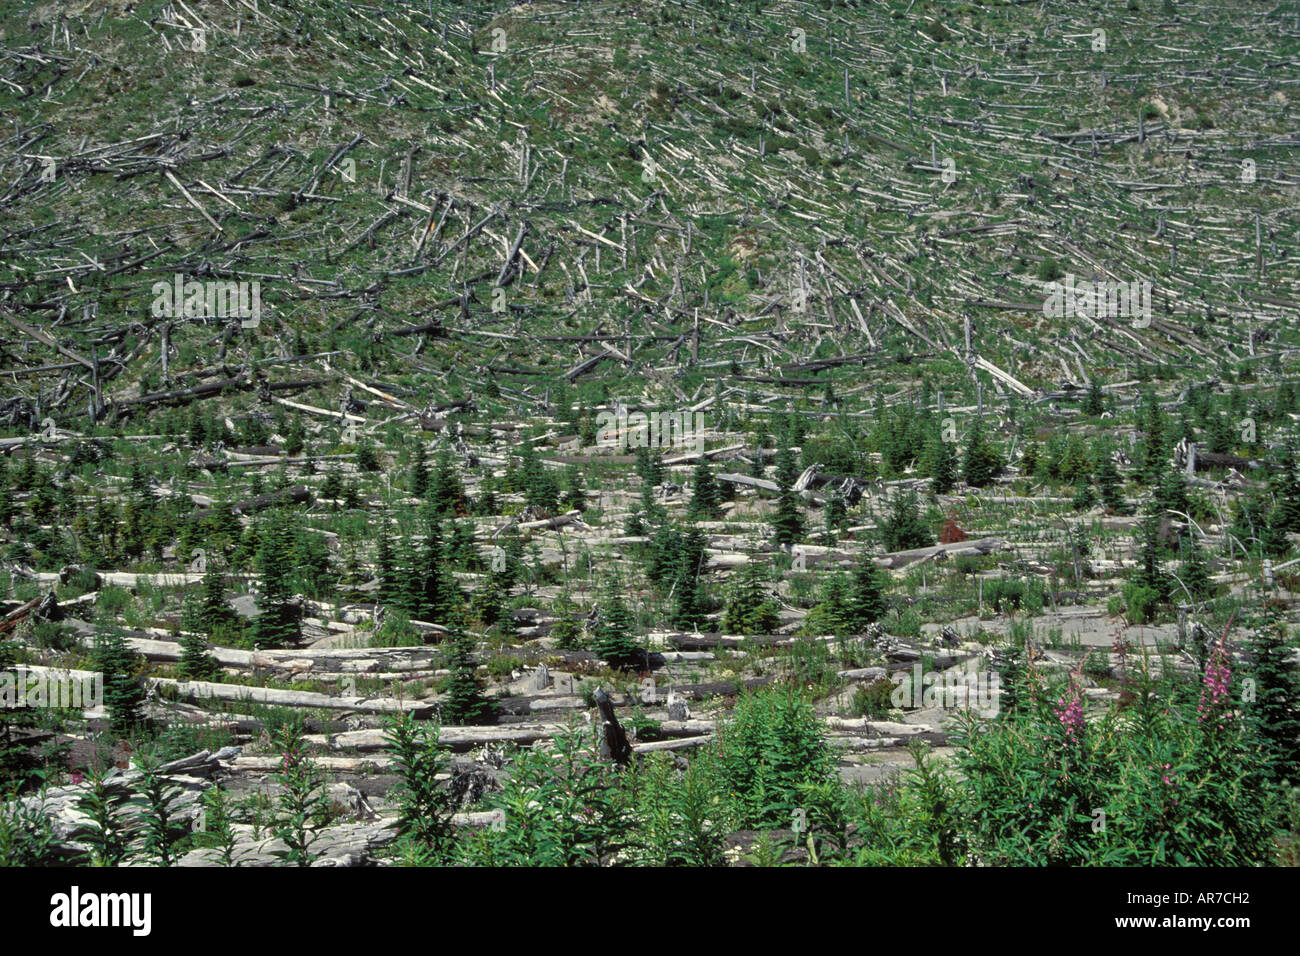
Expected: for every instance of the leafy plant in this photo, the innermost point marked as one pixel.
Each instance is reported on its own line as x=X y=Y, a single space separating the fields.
x=771 y=743
x=424 y=804
x=302 y=804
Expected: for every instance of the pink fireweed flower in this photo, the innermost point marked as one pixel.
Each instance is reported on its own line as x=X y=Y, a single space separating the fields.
x=1215 y=684
x=1069 y=711
x=1164 y=769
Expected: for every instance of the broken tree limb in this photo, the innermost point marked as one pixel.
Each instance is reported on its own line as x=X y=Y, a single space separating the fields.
x=191 y=200
x=49 y=340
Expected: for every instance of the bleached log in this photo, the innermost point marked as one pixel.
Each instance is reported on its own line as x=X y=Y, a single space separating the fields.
x=750 y=482
x=342 y=416
x=463 y=738
x=467 y=737
x=876 y=726
x=559 y=521
x=357 y=383
x=728 y=560
x=696 y=455
x=682 y=743
x=205 y=690
x=987 y=366
x=191 y=200
x=901 y=559
x=334 y=764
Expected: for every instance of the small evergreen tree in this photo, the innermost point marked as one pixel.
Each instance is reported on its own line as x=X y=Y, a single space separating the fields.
x=514 y=560
x=613 y=637
x=1029 y=458
x=650 y=466
x=197 y=432
x=432 y=592
x=1171 y=494
x=464 y=702
x=390 y=585
x=706 y=496
x=689 y=606
x=1083 y=495
x=1148 y=571
x=1109 y=484
x=448 y=493
x=1094 y=402
x=196 y=663
x=830 y=615
x=1016 y=694
x=981 y=463
x=295 y=437
x=574 y=496
x=489 y=602
x=367 y=457
x=867 y=602
x=1075 y=462
x=8 y=508
x=332 y=487
x=1219 y=435
x=787 y=523
x=944 y=466
x=1275 y=712
x=903 y=528
x=123 y=694
x=1285 y=485
x=278 y=623
x=1195 y=569
x=837 y=515
x=540 y=488
x=750 y=609
x=1153 y=444
x=565 y=632
x=214 y=614
x=419 y=480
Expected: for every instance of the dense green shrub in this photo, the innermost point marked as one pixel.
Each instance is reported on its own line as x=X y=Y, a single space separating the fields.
x=771 y=744
x=561 y=807
x=1170 y=782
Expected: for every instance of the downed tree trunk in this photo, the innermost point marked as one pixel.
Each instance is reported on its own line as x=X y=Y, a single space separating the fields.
x=292 y=495
x=901 y=559
x=205 y=690
x=334 y=662
x=559 y=521
x=679 y=744
x=686 y=641
x=470 y=737
x=45 y=607
x=374 y=764
x=131 y=579
x=208 y=390
x=457 y=738
x=750 y=482
x=1206 y=460
x=696 y=455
